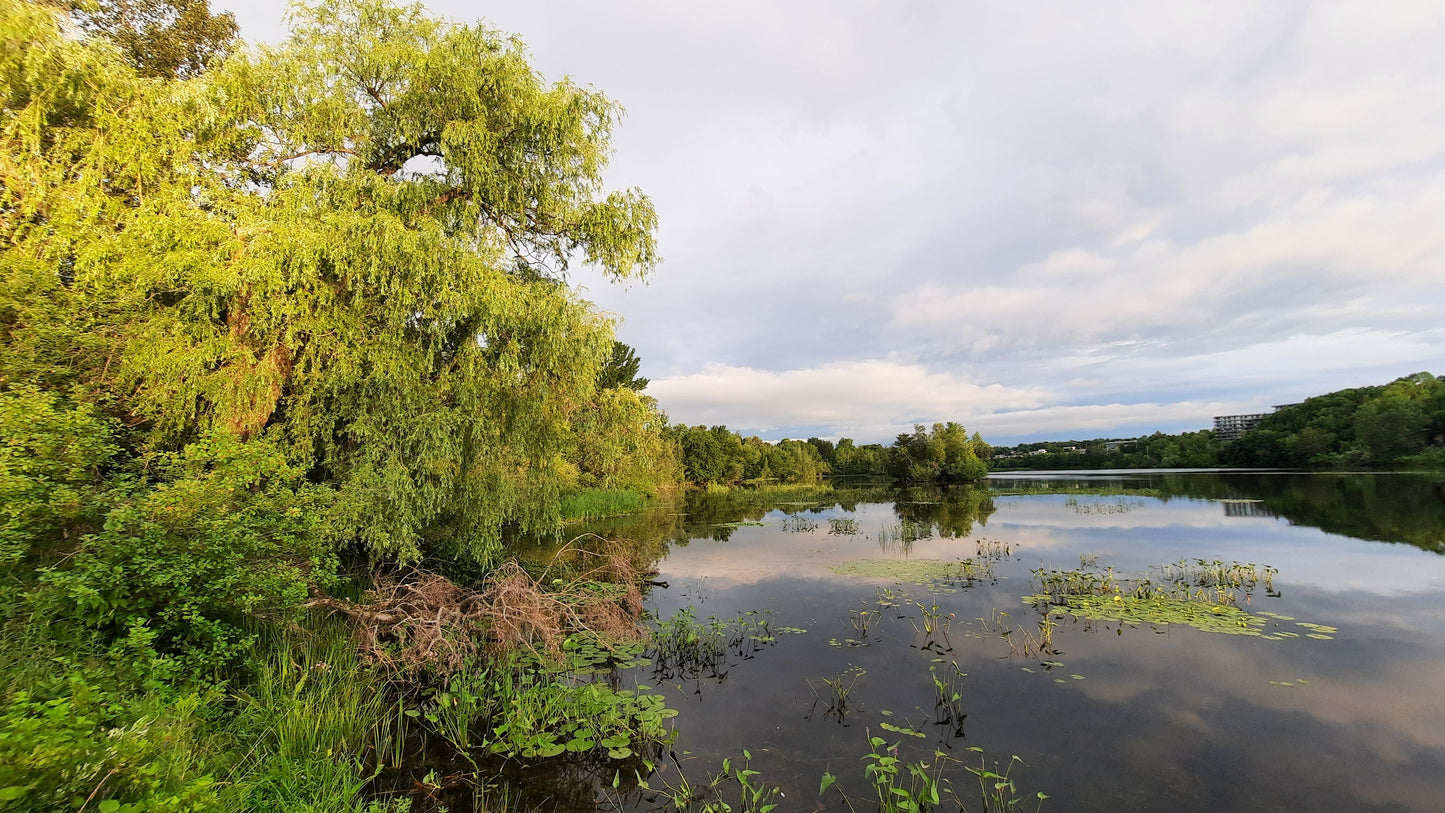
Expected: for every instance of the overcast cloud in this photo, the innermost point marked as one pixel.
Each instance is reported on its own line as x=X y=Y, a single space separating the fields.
x=1044 y=220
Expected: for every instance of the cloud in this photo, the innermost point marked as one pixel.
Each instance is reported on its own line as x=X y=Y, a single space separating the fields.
x=1128 y=211
x=848 y=395
x=1323 y=251
x=1099 y=420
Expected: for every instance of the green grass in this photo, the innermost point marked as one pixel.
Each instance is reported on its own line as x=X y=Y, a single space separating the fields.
x=115 y=728
x=599 y=503
x=304 y=724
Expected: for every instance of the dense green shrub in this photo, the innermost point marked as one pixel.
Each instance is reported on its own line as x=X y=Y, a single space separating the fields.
x=231 y=534
x=51 y=453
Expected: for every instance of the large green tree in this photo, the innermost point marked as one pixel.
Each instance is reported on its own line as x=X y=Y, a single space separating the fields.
x=351 y=246
x=160 y=38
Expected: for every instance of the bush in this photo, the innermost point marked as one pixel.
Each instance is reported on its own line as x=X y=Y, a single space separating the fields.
x=84 y=742
x=233 y=535
x=50 y=456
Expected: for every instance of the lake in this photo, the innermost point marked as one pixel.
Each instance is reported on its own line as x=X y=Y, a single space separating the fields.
x=1282 y=642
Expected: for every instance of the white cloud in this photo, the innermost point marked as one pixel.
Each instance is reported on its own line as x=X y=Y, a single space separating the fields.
x=1323 y=248
x=1146 y=207
x=1098 y=420
x=849 y=395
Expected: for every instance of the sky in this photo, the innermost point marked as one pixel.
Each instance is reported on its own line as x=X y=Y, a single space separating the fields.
x=1052 y=220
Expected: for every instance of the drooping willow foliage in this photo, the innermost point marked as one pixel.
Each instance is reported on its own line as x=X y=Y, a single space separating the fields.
x=351 y=246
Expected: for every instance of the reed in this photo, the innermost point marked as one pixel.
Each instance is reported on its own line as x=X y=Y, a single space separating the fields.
x=599 y=503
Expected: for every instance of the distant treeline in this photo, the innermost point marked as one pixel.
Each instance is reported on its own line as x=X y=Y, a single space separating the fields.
x=1187 y=450
x=943 y=454
x=1398 y=425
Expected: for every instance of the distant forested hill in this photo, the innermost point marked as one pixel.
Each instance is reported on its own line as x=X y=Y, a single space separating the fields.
x=1396 y=425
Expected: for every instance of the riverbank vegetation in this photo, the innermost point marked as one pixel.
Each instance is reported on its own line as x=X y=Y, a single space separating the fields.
x=286 y=333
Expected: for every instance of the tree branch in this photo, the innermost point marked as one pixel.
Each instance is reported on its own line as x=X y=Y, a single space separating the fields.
x=318 y=151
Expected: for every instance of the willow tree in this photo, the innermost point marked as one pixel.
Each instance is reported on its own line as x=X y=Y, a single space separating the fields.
x=352 y=245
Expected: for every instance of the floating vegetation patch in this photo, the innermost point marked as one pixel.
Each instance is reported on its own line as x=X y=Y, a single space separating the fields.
x=916 y=570
x=1155 y=611
x=1196 y=580
x=1206 y=595
x=843 y=527
x=738 y=524
x=1320 y=632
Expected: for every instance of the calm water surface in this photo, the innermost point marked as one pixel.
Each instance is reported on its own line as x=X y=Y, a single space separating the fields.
x=1117 y=716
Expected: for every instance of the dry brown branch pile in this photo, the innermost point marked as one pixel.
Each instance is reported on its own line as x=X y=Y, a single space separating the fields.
x=422 y=622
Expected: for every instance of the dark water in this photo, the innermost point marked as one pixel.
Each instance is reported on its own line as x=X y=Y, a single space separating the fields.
x=1116 y=717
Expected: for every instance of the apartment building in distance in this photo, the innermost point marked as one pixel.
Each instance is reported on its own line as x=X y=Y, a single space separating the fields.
x=1229 y=427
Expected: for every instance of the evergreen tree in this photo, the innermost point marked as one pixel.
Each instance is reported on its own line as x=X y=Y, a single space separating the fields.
x=621 y=369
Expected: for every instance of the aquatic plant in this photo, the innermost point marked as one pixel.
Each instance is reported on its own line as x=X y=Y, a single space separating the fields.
x=994 y=549
x=839 y=691
x=1200 y=593
x=1016 y=488
x=862 y=621
x=684 y=647
x=902 y=535
x=914 y=787
x=891 y=539
x=1119 y=506
x=843 y=527
x=998 y=793
x=948 y=698
x=714 y=795
x=799 y=524
x=932 y=625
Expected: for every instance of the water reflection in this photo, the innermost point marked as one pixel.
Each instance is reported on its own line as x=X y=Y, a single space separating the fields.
x=1107 y=715
x=1407 y=508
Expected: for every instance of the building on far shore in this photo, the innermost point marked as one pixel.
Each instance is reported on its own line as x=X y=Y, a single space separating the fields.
x=1229 y=427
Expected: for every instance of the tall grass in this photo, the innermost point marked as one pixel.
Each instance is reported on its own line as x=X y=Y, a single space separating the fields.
x=599 y=503
x=309 y=717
